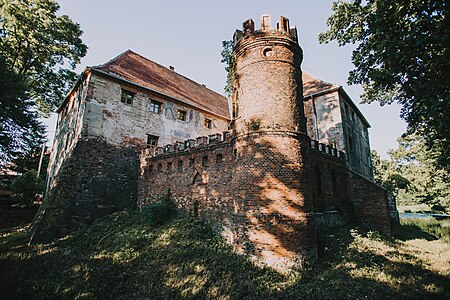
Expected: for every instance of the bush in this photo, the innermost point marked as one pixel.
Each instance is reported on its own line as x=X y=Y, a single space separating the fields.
x=159 y=209
x=26 y=186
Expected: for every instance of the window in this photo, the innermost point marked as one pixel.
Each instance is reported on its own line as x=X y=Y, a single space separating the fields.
x=155 y=106
x=169 y=166
x=159 y=167
x=152 y=141
x=180 y=165
x=208 y=123
x=191 y=162
x=127 y=97
x=181 y=115
x=204 y=160
x=219 y=158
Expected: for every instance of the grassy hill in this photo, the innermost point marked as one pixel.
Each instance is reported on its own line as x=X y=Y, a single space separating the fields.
x=123 y=257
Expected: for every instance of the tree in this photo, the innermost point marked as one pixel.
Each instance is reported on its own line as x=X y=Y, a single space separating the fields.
x=403 y=56
x=228 y=60
x=38 y=51
x=412 y=175
x=20 y=130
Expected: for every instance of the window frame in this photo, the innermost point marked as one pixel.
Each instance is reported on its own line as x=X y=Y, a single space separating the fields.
x=208 y=123
x=155 y=104
x=151 y=137
x=181 y=112
x=127 y=97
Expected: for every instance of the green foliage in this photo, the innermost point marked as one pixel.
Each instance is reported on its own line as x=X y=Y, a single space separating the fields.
x=38 y=51
x=412 y=175
x=159 y=209
x=403 y=56
x=229 y=60
x=438 y=229
x=41 y=46
x=20 y=130
x=26 y=187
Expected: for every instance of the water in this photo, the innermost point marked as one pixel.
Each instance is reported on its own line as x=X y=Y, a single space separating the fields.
x=410 y=215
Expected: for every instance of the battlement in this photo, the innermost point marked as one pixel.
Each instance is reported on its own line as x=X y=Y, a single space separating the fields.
x=320 y=147
x=200 y=142
x=282 y=27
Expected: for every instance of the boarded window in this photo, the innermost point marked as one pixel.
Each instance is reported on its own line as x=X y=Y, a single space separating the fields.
x=127 y=97
x=155 y=106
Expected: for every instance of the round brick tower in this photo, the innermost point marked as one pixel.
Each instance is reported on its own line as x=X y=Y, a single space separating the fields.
x=274 y=201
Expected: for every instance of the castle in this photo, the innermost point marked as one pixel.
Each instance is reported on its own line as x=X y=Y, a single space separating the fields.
x=286 y=156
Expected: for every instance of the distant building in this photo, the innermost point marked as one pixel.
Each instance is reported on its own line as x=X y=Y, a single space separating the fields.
x=286 y=156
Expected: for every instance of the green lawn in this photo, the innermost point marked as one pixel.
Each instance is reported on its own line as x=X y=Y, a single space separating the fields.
x=122 y=257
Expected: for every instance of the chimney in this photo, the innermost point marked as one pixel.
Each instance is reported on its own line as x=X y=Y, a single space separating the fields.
x=172 y=68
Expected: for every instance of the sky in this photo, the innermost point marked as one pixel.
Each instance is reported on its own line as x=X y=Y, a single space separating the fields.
x=188 y=35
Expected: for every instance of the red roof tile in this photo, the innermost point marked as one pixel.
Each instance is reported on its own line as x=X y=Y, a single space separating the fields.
x=313 y=85
x=133 y=67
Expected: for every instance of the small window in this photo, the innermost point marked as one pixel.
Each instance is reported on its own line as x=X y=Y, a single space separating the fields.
x=127 y=97
x=208 y=123
x=180 y=165
x=181 y=115
x=159 y=167
x=169 y=166
x=204 y=160
x=152 y=141
x=219 y=158
x=155 y=106
x=191 y=162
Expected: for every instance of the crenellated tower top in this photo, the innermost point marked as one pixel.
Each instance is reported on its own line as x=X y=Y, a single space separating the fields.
x=267 y=86
x=283 y=28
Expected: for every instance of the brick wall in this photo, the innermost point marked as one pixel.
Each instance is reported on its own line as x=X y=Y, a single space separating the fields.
x=370 y=204
x=95 y=180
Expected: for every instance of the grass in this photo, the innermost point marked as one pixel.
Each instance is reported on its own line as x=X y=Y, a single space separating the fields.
x=122 y=257
x=428 y=226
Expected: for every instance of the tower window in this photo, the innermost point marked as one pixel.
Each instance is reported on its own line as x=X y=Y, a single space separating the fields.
x=155 y=106
x=181 y=115
x=127 y=97
x=208 y=123
x=152 y=141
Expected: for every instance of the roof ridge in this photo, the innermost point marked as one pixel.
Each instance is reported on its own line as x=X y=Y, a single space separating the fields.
x=113 y=59
x=318 y=79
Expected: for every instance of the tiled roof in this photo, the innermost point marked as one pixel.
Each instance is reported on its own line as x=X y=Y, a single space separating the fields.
x=313 y=85
x=139 y=70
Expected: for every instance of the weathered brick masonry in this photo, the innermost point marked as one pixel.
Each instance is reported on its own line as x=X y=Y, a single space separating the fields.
x=250 y=168
x=97 y=179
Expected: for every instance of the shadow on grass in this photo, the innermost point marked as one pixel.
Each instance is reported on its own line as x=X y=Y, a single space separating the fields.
x=121 y=257
x=408 y=232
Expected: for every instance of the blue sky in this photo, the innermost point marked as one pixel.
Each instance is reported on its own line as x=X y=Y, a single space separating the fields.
x=188 y=36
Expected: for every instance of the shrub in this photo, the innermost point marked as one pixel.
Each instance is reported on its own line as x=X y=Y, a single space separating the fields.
x=26 y=187
x=159 y=209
